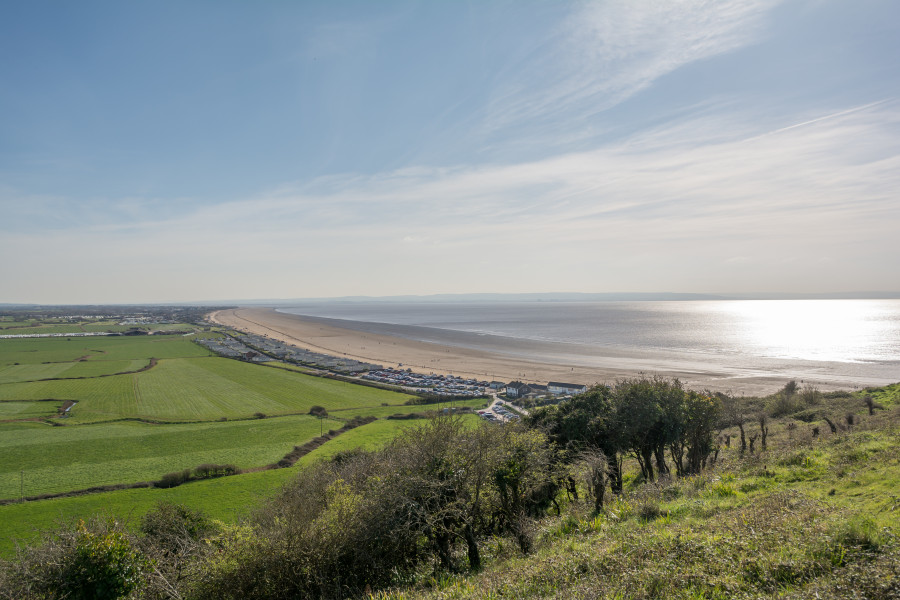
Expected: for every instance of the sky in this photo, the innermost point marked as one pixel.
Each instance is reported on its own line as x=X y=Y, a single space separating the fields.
x=175 y=151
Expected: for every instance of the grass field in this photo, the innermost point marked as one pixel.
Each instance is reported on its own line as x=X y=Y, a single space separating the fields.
x=186 y=385
x=190 y=408
x=385 y=411
x=69 y=370
x=37 y=351
x=59 y=459
x=27 y=410
x=226 y=498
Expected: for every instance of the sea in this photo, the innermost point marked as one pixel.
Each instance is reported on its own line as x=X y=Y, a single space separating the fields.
x=851 y=342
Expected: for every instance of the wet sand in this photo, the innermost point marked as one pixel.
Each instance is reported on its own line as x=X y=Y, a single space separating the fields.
x=428 y=357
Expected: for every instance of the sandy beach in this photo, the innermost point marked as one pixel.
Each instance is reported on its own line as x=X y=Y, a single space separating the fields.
x=427 y=357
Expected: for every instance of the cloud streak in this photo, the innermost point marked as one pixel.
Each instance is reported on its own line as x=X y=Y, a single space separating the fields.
x=606 y=52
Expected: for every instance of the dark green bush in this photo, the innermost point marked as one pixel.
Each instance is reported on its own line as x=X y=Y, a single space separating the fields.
x=318 y=411
x=93 y=560
x=170 y=480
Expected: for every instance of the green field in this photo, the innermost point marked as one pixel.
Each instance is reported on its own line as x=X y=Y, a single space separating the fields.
x=59 y=459
x=41 y=351
x=28 y=410
x=226 y=498
x=69 y=370
x=130 y=425
x=187 y=384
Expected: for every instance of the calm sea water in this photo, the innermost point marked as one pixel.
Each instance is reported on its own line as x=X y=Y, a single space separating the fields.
x=831 y=339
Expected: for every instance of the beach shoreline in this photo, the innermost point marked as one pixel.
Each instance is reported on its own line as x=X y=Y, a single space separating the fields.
x=393 y=351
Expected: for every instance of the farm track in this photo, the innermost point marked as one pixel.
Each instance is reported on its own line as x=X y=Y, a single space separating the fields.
x=153 y=362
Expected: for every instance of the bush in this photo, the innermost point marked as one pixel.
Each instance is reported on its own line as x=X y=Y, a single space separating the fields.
x=90 y=561
x=783 y=404
x=170 y=522
x=170 y=480
x=104 y=566
x=810 y=395
x=318 y=411
x=205 y=471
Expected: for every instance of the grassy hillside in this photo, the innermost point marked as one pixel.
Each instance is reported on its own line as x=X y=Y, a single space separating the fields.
x=810 y=517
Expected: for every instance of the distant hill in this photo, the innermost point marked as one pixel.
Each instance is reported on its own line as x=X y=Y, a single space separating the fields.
x=579 y=297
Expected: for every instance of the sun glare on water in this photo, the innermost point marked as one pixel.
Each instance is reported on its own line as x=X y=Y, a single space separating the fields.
x=822 y=330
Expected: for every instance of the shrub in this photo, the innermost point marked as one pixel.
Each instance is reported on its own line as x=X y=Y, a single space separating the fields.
x=318 y=411
x=90 y=561
x=207 y=470
x=783 y=404
x=170 y=480
x=810 y=395
x=169 y=523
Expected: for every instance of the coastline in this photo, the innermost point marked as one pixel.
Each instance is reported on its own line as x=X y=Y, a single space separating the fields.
x=322 y=335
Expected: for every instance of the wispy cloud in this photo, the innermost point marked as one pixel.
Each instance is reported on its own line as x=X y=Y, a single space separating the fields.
x=608 y=51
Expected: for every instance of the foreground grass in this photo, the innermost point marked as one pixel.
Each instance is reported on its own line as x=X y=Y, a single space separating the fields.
x=808 y=518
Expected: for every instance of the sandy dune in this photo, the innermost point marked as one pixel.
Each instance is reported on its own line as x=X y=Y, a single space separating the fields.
x=429 y=357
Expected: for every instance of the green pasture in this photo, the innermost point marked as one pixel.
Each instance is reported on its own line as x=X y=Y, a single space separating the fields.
x=199 y=389
x=28 y=410
x=368 y=437
x=383 y=412
x=60 y=459
x=226 y=498
x=69 y=370
x=13 y=323
x=38 y=351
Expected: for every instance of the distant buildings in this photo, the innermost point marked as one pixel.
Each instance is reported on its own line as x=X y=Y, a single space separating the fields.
x=517 y=389
x=556 y=388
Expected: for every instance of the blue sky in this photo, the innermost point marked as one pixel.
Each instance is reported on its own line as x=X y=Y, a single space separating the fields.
x=177 y=151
